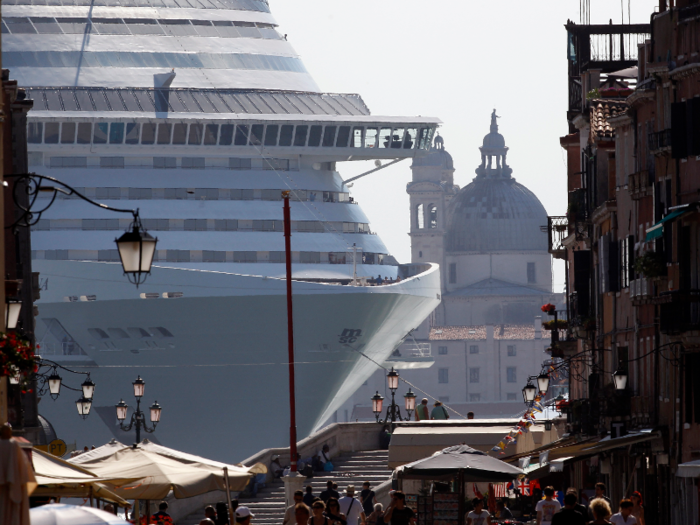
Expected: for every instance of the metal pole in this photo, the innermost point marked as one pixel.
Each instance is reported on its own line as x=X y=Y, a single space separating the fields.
x=228 y=497
x=138 y=420
x=290 y=333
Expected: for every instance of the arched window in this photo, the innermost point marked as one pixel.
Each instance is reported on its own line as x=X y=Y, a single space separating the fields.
x=432 y=216
x=420 y=217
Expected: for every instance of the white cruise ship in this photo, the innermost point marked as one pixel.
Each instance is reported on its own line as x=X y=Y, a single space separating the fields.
x=199 y=113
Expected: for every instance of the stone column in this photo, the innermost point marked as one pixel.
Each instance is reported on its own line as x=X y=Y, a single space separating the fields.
x=293 y=482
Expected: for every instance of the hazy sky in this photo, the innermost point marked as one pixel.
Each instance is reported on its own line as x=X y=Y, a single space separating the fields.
x=456 y=60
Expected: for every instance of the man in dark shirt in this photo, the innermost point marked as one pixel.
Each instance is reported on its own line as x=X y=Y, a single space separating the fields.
x=581 y=509
x=567 y=515
x=309 y=496
x=398 y=513
x=161 y=516
x=367 y=499
x=329 y=492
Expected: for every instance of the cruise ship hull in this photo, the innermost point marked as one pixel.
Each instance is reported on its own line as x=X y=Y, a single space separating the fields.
x=212 y=348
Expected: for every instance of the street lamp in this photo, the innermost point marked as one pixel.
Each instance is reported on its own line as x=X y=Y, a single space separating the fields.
x=393 y=412
x=54 y=385
x=543 y=383
x=12 y=310
x=136 y=251
x=84 y=405
x=620 y=378
x=88 y=388
x=529 y=393
x=138 y=418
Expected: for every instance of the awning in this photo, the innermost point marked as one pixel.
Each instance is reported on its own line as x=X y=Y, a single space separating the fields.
x=657 y=230
x=691 y=469
x=629 y=72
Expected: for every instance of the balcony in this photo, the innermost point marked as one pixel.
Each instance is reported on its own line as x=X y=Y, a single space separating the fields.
x=659 y=141
x=641 y=291
x=411 y=355
x=640 y=184
x=557 y=231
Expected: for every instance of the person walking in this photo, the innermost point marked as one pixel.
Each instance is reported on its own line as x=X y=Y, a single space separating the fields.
x=301 y=514
x=569 y=515
x=367 y=499
x=624 y=517
x=503 y=512
x=210 y=512
x=162 y=517
x=439 y=411
x=330 y=492
x=318 y=517
x=398 y=513
x=579 y=507
x=289 y=513
x=638 y=508
x=243 y=515
x=601 y=510
x=478 y=516
x=309 y=497
x=333 y=512
x=600 y=490
x=376 y=517
x=547 y=508
x=351 y=507
x=221 y=513
x=422 y=413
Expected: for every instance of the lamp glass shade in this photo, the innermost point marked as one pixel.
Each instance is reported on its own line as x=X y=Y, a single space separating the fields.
x=139 y=387
x=88 y=388
x=121 y=410
x=12 y=311
x=136 y=250
x=529 y=393
x=54 y=384
x=392 y=379
x=620 y=379
x=84 y=406
x=543 y=383
x=410 y=399
x=155 y=412
x=377 y=403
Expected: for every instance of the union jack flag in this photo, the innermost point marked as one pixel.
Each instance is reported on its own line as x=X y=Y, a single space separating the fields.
x=523 y=485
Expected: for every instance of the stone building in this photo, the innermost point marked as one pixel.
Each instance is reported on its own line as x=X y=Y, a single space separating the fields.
x=477 y=349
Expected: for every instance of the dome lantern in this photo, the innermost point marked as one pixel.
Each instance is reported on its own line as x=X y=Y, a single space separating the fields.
x=493 y=153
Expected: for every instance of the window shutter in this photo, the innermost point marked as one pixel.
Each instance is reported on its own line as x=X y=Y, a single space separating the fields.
x=694 y=125
x=630 y=257
x=582 y=281
x=679 y=138
x=613 y=265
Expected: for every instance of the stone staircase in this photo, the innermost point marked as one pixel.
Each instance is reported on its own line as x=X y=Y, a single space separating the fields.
x=350 y=469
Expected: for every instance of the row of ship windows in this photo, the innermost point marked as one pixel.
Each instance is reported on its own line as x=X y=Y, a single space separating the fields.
x=212 y=256
x=211 y=194
x=138 y=26
x=228 y=225
x=240 y=5
x=83 y=59
x=285 y=135
x=133 y=332
x=233 y=163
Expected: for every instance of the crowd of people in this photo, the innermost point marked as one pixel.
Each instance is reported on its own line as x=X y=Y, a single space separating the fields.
x=549 y=510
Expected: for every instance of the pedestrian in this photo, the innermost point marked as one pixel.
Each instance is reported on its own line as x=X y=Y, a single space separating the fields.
x=601 y=510
x=580 y=508
x=351 y=507
x=478 y=516
x=569 y=515
x=439 y=411
x=210 y=513
x=378 y=280
x=276 y=467
x=367 y=499
x=398 y=513
x=385 y=438
x=324 y=458
x=547 y=508
x=638 y=508
x=318 y=517
x=301 y=514
x=422 y=413
x=221 y=513
x=624 y=517
x=289 y=513
x=376 y=517
x=243 y=515
x=503 y=512
x=333 y=512
x=309 y=496
x=329 y=492
x=161 y=517
x=600 y=490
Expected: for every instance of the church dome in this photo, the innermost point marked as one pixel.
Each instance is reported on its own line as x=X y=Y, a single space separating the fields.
x=494 y=212
x=437 y=157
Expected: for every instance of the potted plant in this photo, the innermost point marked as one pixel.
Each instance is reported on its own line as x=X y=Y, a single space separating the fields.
x=561 y=324
x=17 y=359
x=651 y=265
x=548 y=308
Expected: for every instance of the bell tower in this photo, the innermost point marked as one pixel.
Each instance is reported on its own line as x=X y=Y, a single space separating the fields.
x=430 y=191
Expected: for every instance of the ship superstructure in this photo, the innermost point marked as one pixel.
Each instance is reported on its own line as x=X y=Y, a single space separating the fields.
x=200 y=114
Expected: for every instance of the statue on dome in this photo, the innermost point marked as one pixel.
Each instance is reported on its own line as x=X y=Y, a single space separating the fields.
x=494 y=124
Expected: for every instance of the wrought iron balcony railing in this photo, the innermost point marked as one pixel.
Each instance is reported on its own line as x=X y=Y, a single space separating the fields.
x=557 y=231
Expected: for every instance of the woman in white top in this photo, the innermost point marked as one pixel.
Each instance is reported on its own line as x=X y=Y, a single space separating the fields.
x=478 y=516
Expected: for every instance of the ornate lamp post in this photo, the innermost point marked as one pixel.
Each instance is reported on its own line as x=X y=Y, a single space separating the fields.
x=138 y=418
x=393 y=412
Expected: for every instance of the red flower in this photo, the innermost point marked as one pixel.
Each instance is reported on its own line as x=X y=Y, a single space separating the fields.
x=549 y=308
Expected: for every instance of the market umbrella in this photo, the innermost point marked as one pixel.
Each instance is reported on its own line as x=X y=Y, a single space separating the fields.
x=16 y=481
x=191 y=459
x=58 y=478
x=461 y=459
x=157 y=475
x=62 y=514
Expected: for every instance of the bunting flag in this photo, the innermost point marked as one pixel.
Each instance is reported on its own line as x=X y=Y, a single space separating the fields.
x=501 y=445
